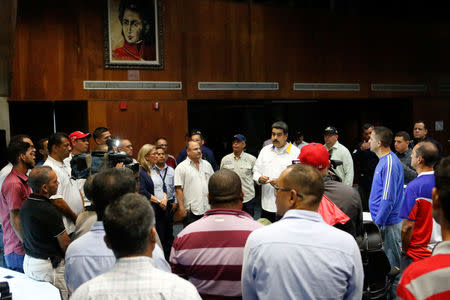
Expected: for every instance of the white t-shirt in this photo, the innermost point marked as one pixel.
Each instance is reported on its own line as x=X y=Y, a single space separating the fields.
x=67 y=190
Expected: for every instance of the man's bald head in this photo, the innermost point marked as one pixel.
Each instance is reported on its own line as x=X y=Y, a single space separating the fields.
x=429 y=153
x=224 y=188
x=305 y=180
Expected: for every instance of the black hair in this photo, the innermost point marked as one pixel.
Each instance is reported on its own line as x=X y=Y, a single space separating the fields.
x=367 y=126
x=404 y=135
x=98 y=132
x=16 y=148
x=423 y=122
x=55 y=140
x=442 y=177
x=109 y=185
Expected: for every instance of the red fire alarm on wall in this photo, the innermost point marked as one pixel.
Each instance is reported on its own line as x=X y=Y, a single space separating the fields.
x=156 y=105
x=123 y=105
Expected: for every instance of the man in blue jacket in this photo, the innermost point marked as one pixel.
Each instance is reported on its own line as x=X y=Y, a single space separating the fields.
x=386 y=195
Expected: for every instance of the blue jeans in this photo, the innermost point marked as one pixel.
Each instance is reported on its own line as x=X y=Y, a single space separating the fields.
x=392 y=246
x=14 y=262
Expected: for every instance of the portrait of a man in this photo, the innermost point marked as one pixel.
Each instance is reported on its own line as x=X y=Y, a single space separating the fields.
x=133 y=34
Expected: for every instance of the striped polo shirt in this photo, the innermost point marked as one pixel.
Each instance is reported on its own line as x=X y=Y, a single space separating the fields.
x=429 y=277
x=209 y=252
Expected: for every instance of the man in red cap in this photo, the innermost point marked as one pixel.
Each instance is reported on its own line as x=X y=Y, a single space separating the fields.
x=344 y=196
x=79 y=142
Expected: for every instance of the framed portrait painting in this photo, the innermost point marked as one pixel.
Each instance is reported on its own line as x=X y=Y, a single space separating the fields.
x=133 y=34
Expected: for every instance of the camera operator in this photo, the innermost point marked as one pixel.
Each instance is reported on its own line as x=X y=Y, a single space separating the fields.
x=341 y=153
x=79 y=142
x=344 y=196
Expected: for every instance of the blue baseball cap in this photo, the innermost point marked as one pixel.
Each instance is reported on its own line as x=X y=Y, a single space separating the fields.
x=239 y=137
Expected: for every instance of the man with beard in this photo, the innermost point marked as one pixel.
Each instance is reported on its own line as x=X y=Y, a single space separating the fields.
x=15 y=190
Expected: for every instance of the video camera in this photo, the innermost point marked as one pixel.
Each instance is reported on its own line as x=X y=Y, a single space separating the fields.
x=86 y=164
x=333 y=165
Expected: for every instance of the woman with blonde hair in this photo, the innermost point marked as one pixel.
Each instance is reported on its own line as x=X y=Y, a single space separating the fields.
x=147 y=159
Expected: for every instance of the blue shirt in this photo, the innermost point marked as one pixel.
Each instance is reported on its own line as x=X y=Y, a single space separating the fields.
x=386 y=194
x=167 y=174
x=88 y=257
x=301 y=257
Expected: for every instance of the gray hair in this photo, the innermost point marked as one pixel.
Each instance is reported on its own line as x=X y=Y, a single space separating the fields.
x=281 y=125
x=38 y=177
x=128 y=222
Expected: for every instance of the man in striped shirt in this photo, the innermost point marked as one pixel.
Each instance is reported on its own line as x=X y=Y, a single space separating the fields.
x=386 y=194
x=429 y=277
x=210 y=251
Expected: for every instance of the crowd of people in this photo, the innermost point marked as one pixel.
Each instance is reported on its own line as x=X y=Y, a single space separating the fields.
x=100 y=223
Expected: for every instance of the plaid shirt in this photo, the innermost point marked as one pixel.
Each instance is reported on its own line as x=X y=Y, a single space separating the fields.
x=136 y=278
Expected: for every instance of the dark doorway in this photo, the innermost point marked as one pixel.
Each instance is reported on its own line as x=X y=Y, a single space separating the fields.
x=219 y=120
x=38 y=119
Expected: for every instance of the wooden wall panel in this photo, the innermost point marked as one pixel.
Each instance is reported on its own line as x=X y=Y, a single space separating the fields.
x=431 y=110
x=140 y=122
x=60 y=44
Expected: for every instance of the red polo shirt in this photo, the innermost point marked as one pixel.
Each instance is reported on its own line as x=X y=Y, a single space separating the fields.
x=15 y=191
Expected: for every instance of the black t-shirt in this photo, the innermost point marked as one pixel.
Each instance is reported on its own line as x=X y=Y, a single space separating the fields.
x=41 y=224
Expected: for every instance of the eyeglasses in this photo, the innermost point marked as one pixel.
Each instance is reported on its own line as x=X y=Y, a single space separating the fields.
x=285 y=189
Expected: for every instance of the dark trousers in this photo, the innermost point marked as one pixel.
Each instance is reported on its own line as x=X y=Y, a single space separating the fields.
x=364 y=193
x=191 y=218
x=164 y=226
x=249 y=207
x=271 y=216
x=405 y=261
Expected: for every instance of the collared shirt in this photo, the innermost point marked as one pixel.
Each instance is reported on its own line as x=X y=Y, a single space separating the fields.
x=344 y=171
x=136 y=278
x=167 y=173
x=387 y=190
x=417 y=206
x=14 y=192
x=5 y=172
x=429 y=277
x=243 y=166
x=209 y=252
x=67 y=190
x=271 y=162
x=194 y=183
x=301 y=257
x=88 y=256
x=301 y=145
x=41 y=225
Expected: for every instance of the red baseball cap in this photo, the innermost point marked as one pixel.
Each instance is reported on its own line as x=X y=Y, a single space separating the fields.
x=78 y=135
x=315 y=155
